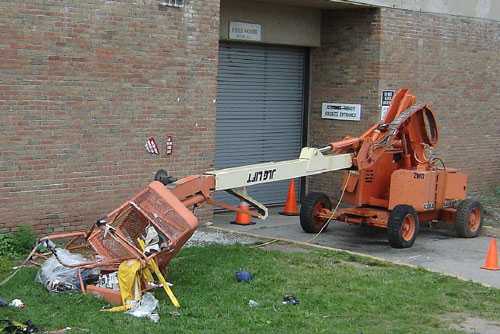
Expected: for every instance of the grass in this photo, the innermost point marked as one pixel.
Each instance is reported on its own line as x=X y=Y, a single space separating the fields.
x=338 y=293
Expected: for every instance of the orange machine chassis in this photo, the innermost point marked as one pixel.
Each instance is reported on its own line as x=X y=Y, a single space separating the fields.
x=396 y=182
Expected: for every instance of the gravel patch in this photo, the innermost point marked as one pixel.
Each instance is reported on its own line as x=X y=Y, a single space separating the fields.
x=205 y=237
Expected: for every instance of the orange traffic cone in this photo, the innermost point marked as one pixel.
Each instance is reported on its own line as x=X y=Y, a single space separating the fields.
x=291 y=208
x=491 y=261
x=243 y=217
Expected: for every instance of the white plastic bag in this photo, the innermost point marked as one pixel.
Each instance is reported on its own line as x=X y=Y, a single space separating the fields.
x=151 y=240
x=145 y=308
x=58 y=278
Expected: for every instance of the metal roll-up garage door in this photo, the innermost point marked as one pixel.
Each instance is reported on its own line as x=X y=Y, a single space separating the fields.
x=260 y=108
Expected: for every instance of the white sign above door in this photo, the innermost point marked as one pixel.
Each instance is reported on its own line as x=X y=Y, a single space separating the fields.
x=245 y=31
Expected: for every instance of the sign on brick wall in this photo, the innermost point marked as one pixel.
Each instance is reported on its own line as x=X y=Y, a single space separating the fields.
x=341 y=111
x=385 y=101
x=245 y=31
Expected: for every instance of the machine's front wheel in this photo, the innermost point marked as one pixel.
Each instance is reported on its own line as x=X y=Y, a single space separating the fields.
x=311 y=206
x=469 y=219
x=403 y=226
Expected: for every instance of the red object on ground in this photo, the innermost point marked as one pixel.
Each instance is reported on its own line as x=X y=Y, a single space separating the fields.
x=243 y=216
x=291 y=208
x=491 y=261
x=111 y=296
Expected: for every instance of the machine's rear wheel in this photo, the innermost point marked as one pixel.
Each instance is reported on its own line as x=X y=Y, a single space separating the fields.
x=403 y=226
x=469 y=219
x=311 y=206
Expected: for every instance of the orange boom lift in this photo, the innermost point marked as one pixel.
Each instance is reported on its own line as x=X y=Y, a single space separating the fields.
x=391 y=180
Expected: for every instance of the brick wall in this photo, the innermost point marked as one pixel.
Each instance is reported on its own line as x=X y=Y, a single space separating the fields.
x=449 y=61
x=453 y=63
x=344 y=69
x=82 y=85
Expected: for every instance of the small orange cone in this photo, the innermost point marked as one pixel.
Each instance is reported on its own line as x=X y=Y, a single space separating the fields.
x=291 y=208
x=491 y=261
x=243 y=217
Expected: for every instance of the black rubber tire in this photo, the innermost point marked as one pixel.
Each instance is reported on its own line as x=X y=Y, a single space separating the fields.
x=464 y=210
x=162 y=176
x=307 y=221
x=395 y=225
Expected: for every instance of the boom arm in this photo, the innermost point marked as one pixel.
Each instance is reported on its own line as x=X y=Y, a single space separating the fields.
x=310 y=162
x=198 y=189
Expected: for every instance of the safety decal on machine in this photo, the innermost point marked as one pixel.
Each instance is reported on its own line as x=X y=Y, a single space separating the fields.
x=151 y=146
x=429 y=206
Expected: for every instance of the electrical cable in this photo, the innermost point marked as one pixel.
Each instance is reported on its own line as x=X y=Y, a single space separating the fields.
x=440 y=160
x=265 y=243
x=334 y=210
x=8 y=278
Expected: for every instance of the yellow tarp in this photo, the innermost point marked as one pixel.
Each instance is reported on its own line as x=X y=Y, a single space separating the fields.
x=129 y=278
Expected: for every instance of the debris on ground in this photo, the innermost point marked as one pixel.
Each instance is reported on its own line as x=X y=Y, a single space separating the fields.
x=252 y=303
x=243 y=276
x=3 y=303
x=57 y=277
x=290 y=300
x=175 y=314
x=17 y=303
x=146 y=308
x=14 y=327
x=108 y=281
x=125 y=251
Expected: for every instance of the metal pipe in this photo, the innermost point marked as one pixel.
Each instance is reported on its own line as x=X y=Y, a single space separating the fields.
x=325 y=149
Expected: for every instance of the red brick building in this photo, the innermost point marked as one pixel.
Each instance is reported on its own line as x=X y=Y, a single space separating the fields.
x=83 y=85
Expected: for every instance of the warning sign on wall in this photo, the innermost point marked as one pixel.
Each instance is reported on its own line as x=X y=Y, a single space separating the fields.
x=342 y=111
x=385 y=102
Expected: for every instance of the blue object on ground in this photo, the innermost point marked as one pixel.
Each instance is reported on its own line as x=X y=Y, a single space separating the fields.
x=243 y=276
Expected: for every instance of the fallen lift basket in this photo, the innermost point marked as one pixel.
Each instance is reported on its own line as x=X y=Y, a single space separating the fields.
x=116 y=238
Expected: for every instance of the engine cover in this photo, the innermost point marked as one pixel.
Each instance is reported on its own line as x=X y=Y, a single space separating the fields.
x=415 y=188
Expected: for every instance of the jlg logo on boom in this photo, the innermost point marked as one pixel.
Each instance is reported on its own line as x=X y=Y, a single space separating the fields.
x=262 y=175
